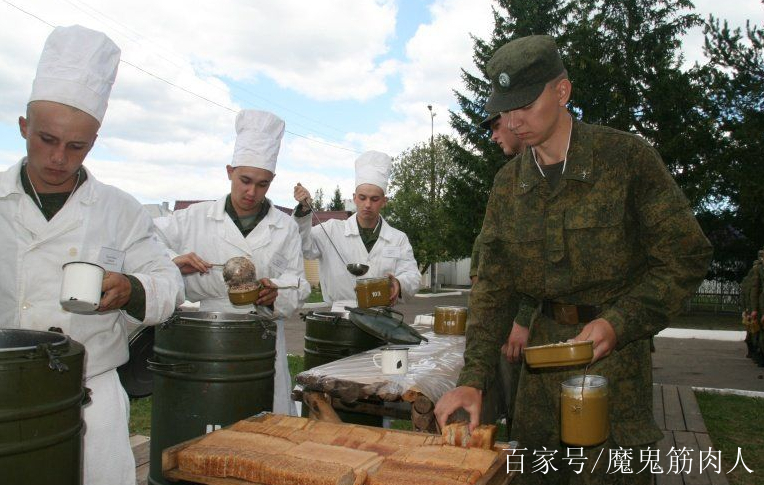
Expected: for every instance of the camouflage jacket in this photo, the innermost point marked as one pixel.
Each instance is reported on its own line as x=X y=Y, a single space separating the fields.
x=616 y=232
x=756 y=293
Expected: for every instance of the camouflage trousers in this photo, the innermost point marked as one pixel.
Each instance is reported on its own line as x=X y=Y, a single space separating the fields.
x=536 y=422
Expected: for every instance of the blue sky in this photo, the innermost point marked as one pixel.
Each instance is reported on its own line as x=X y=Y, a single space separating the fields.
x=356 y=74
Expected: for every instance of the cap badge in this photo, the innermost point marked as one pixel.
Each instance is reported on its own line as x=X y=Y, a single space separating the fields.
x=504 y=80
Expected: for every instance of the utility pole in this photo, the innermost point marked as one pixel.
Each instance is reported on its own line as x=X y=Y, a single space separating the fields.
x=433 y=264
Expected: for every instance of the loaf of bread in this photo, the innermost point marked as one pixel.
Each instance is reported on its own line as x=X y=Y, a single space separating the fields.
x=484 y=436
x=456 y=434
x=214 y=461
x=436 y=455
x=397 y=478
x=424 y=470
x=380 y=448
x=479 y=459
x=356 y=459
x=199 y=459
x=261 y=443
x=403 y=439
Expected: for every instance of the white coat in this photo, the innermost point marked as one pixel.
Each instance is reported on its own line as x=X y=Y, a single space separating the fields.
x=391 y=254
x=33 y=251
x=274 y=248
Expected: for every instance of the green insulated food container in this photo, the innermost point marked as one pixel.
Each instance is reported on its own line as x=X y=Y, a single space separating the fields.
x=41 y=398
x=330 y=336
x=211 y=369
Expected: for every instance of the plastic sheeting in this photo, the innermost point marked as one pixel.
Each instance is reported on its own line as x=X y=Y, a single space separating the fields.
x=433 y=369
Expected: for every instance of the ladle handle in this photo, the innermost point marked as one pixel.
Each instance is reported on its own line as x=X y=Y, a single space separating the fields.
x=327 y=235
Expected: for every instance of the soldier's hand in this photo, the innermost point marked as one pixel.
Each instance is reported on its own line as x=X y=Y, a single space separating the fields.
x=516 y=343
x=268 y=293
x=191 y=263
x=302 y=196
x=469 y=398
x=395 y=289
x=601 y=333
x=115 y=291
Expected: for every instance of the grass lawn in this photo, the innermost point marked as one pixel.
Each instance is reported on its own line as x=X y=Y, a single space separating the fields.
x=315 y=295
x=735 y=422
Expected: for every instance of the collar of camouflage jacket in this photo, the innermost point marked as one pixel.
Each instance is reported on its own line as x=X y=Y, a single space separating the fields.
x=580 y=164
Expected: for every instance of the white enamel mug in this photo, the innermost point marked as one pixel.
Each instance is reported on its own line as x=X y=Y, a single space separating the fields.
x=395 y=360
x=81 y=286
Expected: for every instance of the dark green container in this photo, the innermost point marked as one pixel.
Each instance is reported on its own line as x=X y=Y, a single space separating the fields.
x=41 y=398
x=329 y=337
x=211 y=369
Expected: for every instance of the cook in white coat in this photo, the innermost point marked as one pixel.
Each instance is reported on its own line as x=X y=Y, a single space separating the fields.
x=53 y=211
x=365 y=238
x=244 y=223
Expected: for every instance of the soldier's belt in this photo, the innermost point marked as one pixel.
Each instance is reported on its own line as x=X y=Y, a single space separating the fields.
x=566 y=314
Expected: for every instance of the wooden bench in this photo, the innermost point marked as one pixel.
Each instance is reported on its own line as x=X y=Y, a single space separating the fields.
x=140 y=445
x=676 y=412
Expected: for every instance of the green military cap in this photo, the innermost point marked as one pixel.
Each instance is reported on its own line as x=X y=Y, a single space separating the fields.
x=519 y=70
x=488 y=121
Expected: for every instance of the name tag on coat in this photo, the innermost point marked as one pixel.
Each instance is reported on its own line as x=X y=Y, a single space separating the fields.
x=279 y=262
x=391 y=252
x=111 y=259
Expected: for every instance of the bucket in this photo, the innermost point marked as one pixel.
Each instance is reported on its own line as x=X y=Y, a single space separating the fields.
x=81 y=287
x=41 y=398
x=330 y=336
x=450 y=320
x=211 y=369
x=584 y=411
x=373 y=292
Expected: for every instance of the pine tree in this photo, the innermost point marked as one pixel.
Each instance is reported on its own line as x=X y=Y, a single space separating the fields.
x=336 y=204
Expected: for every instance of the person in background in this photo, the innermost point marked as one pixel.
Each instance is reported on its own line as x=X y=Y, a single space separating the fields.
x=365 y=238
x=499 y=400
x=54 y=211
x=244 y=223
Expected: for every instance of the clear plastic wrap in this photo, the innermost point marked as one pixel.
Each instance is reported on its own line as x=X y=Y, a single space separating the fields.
x=433 y=369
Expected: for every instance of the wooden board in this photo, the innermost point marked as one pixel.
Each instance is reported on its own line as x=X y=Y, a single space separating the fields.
x=496 y=475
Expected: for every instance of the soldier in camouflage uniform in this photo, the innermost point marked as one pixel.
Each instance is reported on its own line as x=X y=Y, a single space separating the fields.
x=500 y=398
x=604 y=237
x=756 y=305
x=745 y=303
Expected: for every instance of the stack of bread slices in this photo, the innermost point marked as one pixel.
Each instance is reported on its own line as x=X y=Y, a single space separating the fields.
x=281 y=450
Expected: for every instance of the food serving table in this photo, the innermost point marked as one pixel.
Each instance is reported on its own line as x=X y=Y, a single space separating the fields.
x=355 y=384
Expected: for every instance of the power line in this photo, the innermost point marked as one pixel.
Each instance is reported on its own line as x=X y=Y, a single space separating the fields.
x=313 y=140
x=138 y=35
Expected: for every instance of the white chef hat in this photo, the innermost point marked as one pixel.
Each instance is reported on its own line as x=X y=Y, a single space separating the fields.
x=77 y=67
x=373 y=168
x=258 y=139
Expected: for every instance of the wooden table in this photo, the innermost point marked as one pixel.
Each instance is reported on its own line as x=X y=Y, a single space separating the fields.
x=354 y=384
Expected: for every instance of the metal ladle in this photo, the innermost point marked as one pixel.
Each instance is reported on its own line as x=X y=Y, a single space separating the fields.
x=356 y=269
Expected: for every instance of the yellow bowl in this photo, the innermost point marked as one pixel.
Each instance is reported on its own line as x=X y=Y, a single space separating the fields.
x=559 y=355
x=246 y=297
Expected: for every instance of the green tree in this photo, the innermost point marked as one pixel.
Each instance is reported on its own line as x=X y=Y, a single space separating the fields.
x=624 y=60
x=336 y=204
x=734 y=76
x=318 y=200
x=410 y=208
x=476 y=156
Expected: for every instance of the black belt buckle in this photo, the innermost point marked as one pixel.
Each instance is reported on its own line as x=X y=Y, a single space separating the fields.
x=565 y=314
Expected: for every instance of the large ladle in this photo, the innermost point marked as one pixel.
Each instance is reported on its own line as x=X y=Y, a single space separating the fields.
x=356 y=269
